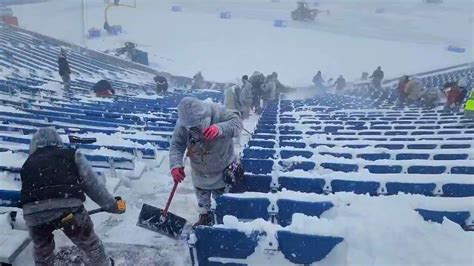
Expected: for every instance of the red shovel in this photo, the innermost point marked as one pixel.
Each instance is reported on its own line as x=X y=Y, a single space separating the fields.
x=160 y=220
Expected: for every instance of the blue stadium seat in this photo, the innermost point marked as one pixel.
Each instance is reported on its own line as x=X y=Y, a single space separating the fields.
x=224 y=243
x=286 y=154
x=396 y=133
x=374 y=156
x=10 y=198
x=242 y=208
x=458 y=217
x=460 y=138
x=412 y=156
x=426 y=169
x=465 y=170
x=315 y=145
x=404 y=127
x=390 y=146
x=455 y=146
x=10 y=169
x=258 y=167
x=357 y=187
x=259 y=153
x=356 y=146
x=289 y=166
x=253 y=183
x=263 y=137
x=384 y=169
x=458 y=190
x=370 y=133
x=262 y=144
x=421 y=146
x=294 y=144
x=446 y=132
x=299 y=248
x=289 y=138
x=302 y=184
x=340 y=167
x=288 y=207
x=450 y=156
x=418 y=133
x=338 y=155
x=426 y=189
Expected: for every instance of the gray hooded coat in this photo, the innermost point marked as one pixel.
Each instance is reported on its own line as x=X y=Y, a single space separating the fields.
x=246 y=93
x=45 y=211
x=208 y=158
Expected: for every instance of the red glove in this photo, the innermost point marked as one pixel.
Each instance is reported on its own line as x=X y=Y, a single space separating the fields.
x=178 y=174
x=211 y=132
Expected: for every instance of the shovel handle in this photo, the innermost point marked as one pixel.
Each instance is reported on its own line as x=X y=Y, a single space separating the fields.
x=91 y=212
x=165 y=211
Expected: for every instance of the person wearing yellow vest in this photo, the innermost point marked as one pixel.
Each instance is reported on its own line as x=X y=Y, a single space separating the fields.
x=469 y=109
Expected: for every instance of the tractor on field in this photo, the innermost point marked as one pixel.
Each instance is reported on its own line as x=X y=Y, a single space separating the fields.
x=303 y=12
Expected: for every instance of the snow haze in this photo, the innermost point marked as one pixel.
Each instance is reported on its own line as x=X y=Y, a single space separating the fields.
x=408 y=37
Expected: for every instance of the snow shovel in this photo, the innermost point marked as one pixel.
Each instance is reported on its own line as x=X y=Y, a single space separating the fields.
x=162 y=221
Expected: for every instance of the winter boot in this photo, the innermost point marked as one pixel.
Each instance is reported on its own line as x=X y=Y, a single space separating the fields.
x=204 y=219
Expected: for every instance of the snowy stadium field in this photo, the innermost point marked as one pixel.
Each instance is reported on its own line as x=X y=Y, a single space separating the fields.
x=409 y=37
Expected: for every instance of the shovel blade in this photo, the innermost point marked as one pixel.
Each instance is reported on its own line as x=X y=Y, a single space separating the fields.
x=152 y=218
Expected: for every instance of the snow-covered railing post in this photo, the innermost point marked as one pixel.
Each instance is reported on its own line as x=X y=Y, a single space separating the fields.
x=327 y=187
x=112 y=167
x=382 y=190
x=135 y=153
x=272 y=212
x=270 y=244
x=438 y=191
x=191 y=241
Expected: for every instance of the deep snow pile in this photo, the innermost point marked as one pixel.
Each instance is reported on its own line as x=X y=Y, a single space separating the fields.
x=410 y=37
x=376 y=230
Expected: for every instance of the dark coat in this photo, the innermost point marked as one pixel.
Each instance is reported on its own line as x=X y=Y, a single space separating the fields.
x=64 y=69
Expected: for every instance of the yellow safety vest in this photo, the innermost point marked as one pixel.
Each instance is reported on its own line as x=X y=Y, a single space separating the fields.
x=470 y=102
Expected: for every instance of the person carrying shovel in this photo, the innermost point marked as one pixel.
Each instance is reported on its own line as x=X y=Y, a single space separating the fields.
x=55 y=182
x=206 y=131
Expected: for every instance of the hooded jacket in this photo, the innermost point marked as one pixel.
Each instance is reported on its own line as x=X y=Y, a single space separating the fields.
x=414 y=89
x=208 y=158
x=45 y=211
x=63 y=65
x=246 y=93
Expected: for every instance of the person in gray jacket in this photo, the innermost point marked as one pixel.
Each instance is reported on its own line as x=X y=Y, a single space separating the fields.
x=247 y=98
x=55 y=181
x=206 y=131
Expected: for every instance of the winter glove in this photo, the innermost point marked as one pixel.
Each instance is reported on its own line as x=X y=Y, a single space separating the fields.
x=211 y=132
x=178 y=174
x=121 y=205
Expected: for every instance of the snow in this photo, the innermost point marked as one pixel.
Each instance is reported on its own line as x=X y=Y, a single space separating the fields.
x=366 y=240
x=12 y=159
x=377 y=230
x=9 y=109
x=410 y=37
x=352 y=39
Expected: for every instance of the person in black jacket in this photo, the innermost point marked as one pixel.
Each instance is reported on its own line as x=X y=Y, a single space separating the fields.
x=55 y=182
x=377 y=78
x=103 y=88
x=161 y=84
x=64 y=70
